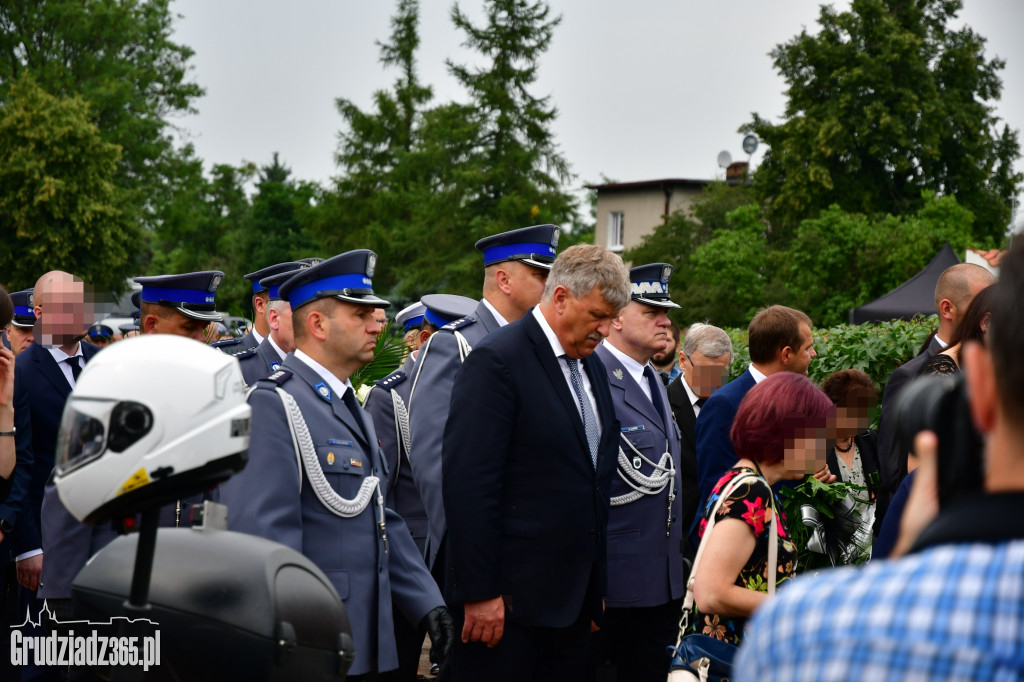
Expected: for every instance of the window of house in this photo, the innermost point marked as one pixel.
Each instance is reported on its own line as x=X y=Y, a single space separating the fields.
x=616 y=230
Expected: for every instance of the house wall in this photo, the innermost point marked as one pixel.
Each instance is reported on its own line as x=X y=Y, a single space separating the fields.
x=642 y=209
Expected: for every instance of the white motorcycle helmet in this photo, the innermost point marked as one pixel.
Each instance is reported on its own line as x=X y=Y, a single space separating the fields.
x=152 y=419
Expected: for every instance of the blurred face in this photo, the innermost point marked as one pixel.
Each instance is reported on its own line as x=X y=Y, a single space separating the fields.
x=176 y=324
x=704 y=375
x=351 y=335
x=526 y=284
x=641 y=330
x=20 y=337
x=799 y=359
x=668 y=354
x=581 y=323
x=853 y=418
x=60 y=309
x=805 y=454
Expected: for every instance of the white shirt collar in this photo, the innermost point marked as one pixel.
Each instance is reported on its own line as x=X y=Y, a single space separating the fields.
x=497 y=316
x=689 y=391
x=758 y=375
x=941 y=342
x=60 y=356
x=256 y=335
x=280 y=353
x=549 y=333
x=337 y=386
x=635 y=369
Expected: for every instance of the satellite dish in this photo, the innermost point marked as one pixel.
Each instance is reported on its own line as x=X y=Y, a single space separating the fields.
x=750 y=144
x=724 y=159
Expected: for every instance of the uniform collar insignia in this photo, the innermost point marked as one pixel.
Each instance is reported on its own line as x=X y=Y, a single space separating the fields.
x=617 y=373
x=323 y=390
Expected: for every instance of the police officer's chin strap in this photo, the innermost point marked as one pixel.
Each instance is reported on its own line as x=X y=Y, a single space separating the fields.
x=663 y=475
x=307 y=458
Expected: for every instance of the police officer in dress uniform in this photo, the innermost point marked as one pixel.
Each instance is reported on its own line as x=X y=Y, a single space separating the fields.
x=387 y=404
x=645 y=539
x=20 y=332
x=411 y=320
x=322 y=492
x=170 y=304
x=266 y=358
x=260 y=297
x=516 y=264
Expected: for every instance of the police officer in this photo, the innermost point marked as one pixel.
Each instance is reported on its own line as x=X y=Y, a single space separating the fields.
x=100 y=335
x=645 y=538
x=321 y=492
x=516 y=266
x=387 y=404
x=410 y=319
x=20 y=332
x=265 y=358
x=170 y=304
x=260 y=297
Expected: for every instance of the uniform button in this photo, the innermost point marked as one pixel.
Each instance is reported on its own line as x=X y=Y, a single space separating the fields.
x=380 y=569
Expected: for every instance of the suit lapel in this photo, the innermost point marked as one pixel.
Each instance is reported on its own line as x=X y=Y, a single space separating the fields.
x=553 y=370
x=679 y=399
x=484 y=316
x=623 y=383
x=49 y=368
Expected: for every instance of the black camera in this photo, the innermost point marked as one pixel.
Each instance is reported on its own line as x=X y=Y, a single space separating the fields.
x=938 y=403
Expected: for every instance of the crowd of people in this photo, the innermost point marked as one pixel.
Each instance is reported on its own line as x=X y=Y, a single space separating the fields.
x=558 y=480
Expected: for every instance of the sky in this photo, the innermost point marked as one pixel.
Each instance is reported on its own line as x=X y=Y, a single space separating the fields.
x=645 y=89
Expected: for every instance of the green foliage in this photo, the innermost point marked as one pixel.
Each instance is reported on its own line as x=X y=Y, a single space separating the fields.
x=118 y=56
x=388 y=356
x=824 y=499
x=885 y=102
x=60 y=207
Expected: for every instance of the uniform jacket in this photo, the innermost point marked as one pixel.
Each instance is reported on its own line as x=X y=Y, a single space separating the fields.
x=402 y=495
x=40 y=385
x=527 y=511
x=431 y=396
x=686 y=420
x=258 y=362
x=267 y=499
x=645 y=565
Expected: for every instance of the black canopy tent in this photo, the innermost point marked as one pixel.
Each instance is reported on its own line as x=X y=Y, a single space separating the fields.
x=916 y=296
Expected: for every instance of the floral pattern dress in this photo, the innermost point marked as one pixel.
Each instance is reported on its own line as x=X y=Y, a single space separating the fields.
x=752 y=502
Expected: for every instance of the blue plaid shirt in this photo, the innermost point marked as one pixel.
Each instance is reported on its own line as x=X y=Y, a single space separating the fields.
x=951 y=612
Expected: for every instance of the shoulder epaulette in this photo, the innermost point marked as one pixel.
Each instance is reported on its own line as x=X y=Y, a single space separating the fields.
x=393 y=379
x=278 y=377
x=243 y=354
x=460 y=323
x=233 y=347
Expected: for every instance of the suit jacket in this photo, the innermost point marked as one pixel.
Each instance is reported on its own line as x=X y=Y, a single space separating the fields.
x=682 y=410
x=402 y=495
x=645 y=564
x=715 y=454
x=893 y=463
x=527 y=510
x=273 y=499
x=259 y=362
x=430 y=398
x=41 y=389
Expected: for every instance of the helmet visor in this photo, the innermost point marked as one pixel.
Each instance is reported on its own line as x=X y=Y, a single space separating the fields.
x=83 y=433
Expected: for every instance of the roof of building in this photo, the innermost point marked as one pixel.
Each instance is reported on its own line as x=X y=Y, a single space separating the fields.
x=650 y=184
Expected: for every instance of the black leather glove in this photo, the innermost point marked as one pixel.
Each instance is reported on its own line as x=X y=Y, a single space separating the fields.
x=441 y=628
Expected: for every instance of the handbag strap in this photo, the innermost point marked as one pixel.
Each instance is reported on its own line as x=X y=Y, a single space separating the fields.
x=773 y=549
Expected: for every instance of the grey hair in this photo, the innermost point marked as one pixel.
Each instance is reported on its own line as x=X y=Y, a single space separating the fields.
x=582 y=267
x=278 y=304
x=711 y=341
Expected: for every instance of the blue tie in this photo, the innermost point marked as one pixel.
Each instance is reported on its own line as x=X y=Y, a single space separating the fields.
x=589 y=420
x=655 y=385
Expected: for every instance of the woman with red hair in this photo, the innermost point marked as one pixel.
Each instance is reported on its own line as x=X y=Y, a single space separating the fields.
x=779 y=433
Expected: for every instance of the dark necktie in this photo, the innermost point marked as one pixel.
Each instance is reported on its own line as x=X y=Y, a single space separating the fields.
x=76 y=369
x=586 y=409
x=349 y=398
x=701 y=401
x=652 y=381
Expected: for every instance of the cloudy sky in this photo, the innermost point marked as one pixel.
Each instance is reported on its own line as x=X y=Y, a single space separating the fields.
x=645 y=89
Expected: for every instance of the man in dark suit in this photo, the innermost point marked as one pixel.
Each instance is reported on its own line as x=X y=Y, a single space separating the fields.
x=44 y=377
x=516 y=265
x=330 y=507
x=645 y=539
x=780 y=341
x=954 y=291
x=704 y=359
x=529 y=451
